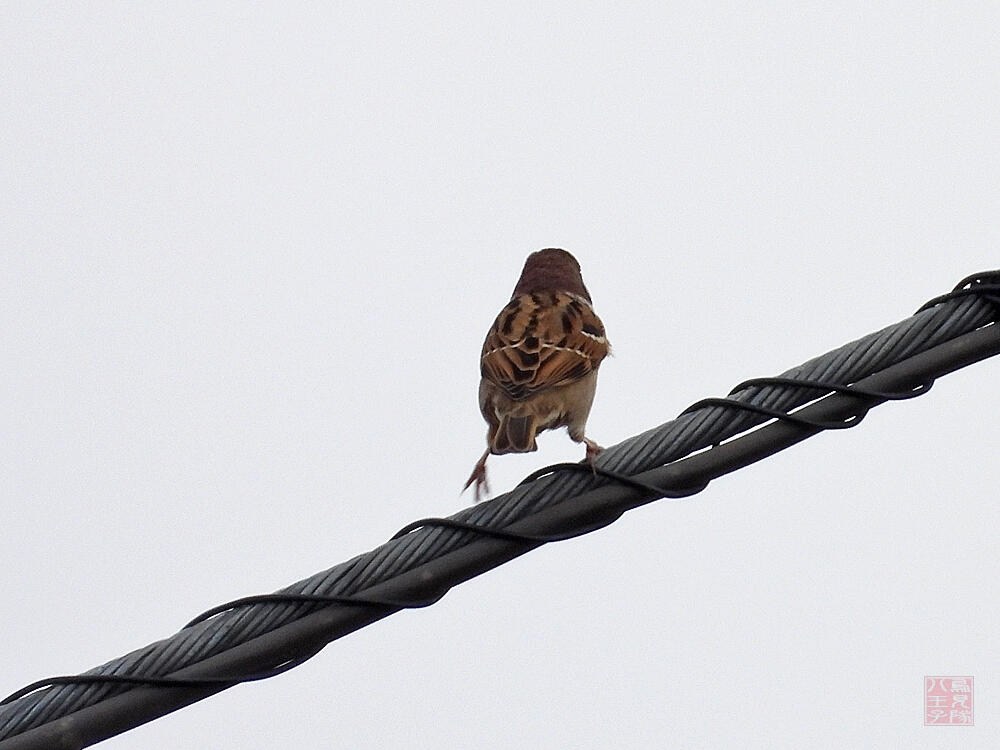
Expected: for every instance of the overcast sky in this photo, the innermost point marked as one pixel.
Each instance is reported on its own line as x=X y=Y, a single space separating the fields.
x=249 y=258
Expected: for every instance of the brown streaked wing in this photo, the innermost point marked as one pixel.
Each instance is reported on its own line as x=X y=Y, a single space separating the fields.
x=542 y=340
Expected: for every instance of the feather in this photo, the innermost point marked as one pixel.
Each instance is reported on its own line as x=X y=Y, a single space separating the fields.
x=542 y=340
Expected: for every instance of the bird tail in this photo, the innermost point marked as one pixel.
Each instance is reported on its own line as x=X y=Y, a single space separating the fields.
x=515 y=435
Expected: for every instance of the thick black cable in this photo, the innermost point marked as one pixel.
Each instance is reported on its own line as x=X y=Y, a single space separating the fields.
x=654 y=491
x=954 y=321
x=215 y=683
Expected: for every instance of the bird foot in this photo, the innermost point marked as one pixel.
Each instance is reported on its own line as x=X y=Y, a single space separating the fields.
x=478 y=477
x=593 y=450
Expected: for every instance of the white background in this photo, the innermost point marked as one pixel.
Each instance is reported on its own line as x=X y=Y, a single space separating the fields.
x=248 y=259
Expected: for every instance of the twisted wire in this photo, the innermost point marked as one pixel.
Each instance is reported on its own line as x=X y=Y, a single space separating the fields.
x=973 y=304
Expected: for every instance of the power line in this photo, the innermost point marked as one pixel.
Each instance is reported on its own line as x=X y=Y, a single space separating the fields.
x=265 y=635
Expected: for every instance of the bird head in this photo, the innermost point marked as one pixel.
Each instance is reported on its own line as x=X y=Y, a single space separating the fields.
x=551 y=270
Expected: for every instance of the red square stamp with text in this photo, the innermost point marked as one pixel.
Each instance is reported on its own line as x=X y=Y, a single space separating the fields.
x=948 y=701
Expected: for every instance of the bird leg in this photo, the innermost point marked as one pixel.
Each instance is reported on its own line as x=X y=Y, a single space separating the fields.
x=478 y=476
x=593 y=450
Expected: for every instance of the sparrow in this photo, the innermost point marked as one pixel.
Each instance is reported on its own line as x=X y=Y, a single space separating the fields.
x=539 y=361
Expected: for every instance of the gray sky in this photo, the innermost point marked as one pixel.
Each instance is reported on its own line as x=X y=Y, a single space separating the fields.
x=249 y=257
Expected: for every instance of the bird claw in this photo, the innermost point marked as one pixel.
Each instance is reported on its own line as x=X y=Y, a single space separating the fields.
x=478 y=476
x=593 y=450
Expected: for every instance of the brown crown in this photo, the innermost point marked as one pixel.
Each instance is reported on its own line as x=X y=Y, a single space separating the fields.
x=551 y=270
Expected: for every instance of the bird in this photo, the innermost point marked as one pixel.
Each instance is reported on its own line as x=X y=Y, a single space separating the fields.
x=539 y=361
